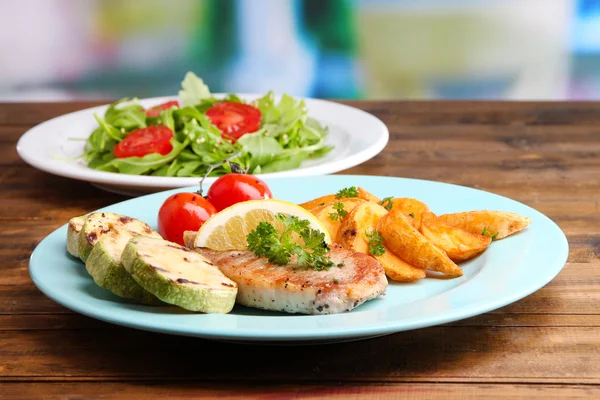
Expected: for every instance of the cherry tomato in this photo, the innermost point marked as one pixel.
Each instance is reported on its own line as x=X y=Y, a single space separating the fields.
x=156 y=110
x=230 y=189
x=234 y=119
x=152 y=139
x=183 y=212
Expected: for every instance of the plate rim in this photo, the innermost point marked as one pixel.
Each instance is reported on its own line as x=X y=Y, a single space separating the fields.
x=161 y=182
x=380 y=328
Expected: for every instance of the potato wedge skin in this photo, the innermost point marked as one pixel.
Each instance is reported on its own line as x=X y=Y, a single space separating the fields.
x=363 y=218
x=352 y=236
x=501 y=222
x=333 y=226
x=457 y=243
x=318 y=202
x=399 y=270
x=410 y=245
x=363 y=194
x=412 y=207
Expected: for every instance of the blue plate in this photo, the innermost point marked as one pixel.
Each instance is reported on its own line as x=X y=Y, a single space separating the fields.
x=509 y=270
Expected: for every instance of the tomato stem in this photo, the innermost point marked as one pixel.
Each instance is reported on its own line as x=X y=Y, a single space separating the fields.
x=212 y=167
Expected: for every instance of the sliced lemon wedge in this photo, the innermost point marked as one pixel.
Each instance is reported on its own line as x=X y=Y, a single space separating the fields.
x=228 y=229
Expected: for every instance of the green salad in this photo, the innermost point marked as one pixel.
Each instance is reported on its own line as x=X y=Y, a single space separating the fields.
x=203 y=135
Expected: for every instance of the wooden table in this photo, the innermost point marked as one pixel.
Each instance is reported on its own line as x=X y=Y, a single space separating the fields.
x=546 y=155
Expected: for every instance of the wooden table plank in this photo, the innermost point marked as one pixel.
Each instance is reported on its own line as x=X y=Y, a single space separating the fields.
x=258 y=390
x=484 y=354
x=546 y=155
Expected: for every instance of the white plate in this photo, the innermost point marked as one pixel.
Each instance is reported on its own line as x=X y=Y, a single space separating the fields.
x=55 y=145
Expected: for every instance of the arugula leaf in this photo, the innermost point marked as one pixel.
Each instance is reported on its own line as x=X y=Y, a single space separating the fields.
x=142 y=165
x=127 y=114
x=375 y=243
x=262 y=149
x=193 y=90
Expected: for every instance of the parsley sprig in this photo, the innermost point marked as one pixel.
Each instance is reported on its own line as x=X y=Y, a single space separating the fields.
x=265 y=241
x=339 y=213
x=351 y=191
x=375 y=243
x=486 y=232
x=387 y=202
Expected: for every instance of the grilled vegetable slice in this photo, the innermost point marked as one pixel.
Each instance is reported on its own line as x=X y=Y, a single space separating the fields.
x=101 y=223
x=75 y=225
x=179 y=276
x=104 y=265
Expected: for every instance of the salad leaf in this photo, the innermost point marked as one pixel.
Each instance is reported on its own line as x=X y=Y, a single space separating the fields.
x=286 y=138
x=193 y=90
x=141 y=165
x=126 y=114
x=262 y=149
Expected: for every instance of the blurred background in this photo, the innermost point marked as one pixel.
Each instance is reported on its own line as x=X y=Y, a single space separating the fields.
x=55 y=50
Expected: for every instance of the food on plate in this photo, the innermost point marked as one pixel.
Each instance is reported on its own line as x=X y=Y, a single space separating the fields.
x=350 y=192
x=457 y=243
x=411 y=207
x=99 y=223
x=327 y=255
x=409 y=244
x=73 y=229
x=358 y=232
x=195 y=137
x=228 y=230
x=496 y=224
x=179 y=276
x=234 y=188
x=332 y=214
x=353 y=279
x=185 y=211
x=104 y=266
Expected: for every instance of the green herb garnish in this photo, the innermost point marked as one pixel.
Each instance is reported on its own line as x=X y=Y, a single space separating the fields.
x=339 y=213
x=486 y=232
x=351 y=191
x=387 y=202
x=265 y=241
x=335 y=280
x=375 y=243
x=411 y=215
x=341 y=264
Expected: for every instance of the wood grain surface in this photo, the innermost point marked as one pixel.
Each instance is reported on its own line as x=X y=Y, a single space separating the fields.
x=546 y=155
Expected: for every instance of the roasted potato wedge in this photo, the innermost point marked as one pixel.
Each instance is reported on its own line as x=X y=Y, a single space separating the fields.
x=498 y=224
x=363 y=194
x=318 y=204
x=399 y=270
x=412 y=207
x=410 y=245
x=333 y=225
x=353 y=236
x=458 y=244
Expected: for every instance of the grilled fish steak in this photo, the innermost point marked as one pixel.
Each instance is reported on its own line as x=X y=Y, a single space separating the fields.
x=354 y=279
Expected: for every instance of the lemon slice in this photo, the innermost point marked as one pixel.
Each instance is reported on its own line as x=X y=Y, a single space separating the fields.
x=227 y=230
